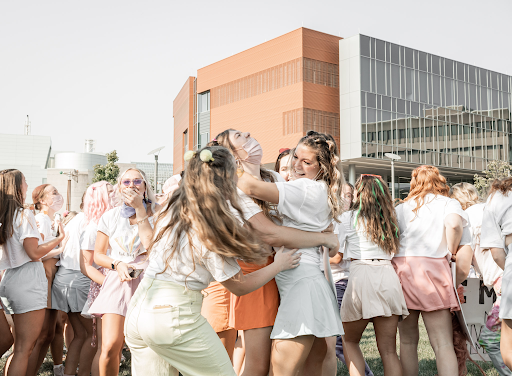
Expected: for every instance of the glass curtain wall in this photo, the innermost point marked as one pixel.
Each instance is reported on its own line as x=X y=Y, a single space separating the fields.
x=432 y=110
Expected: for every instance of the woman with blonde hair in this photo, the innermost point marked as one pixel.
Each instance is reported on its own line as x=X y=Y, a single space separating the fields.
x=308 y=314
x=198 y=235
x=127 y=230
x=432 y=227
x=24 y=287
x=497 y=236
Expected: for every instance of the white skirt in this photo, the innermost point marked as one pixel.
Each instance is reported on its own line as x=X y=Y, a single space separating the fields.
x=308 y=305
x=506 y=288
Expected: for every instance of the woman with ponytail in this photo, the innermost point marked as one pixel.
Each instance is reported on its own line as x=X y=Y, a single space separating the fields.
x=433 y=227
x=308 y=314
x=371 y=237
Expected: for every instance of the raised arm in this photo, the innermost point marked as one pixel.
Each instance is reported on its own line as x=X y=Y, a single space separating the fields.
x=37 y=251
x=258 y=189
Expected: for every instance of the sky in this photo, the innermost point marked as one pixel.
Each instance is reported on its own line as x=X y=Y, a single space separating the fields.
x=109 y=70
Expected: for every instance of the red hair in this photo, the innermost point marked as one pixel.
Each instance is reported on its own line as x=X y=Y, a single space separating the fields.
x=426 y=179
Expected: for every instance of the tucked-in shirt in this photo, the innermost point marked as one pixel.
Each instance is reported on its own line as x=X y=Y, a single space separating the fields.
x=303 y=204
x=484 y=262
x=70 y=256
x=422 y=234
x=496 y=221
x=12 y=253
x=358 y=245
x=123 y=237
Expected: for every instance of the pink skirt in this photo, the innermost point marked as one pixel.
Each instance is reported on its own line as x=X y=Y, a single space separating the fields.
x=427 y=283
x=114 y=295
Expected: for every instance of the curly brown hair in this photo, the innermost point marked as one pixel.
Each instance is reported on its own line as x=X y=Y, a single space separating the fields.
x=201 y=207
x=268 y=209
x=374 y=206
x=330 y=171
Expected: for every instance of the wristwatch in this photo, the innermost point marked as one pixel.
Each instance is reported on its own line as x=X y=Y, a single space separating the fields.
x=113 y=265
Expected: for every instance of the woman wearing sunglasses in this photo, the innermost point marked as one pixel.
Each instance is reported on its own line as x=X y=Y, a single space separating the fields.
x=127 y=231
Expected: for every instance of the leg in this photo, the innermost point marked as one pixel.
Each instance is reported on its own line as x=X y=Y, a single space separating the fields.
x=43 y=342
x=57 y=344
x=409 y=338
x=288 y=355
x=87 y=352
x=330 y=365
x=385 y=333
x=322 y=356
x=6 y=338
x=353 y=332
x=440 y=334
x=68 y=333
x=228 y=339
x=506 y=342
x=28 y=327
x=75 y=347
x=239 y=353
x=112 y=343
x=95 y=367
x=257 y=351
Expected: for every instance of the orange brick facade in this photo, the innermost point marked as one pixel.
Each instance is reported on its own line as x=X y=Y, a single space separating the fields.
x=277 y=90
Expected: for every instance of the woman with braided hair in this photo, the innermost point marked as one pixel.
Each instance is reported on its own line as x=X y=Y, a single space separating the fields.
x=371 y=236
x=308 y=313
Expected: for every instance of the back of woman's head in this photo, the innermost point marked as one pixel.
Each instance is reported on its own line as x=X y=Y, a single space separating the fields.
x=330 y=171
x=201 y=207
x=38 y=194
x=375 y=211
x=96 y=201
x=466 y=194
x=503 y=185
x=68 y=216
x=426 y=179
x=11 y=200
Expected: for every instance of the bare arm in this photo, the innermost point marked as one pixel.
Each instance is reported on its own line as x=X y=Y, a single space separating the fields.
x=499 y=256
x=134 y=199
x=454 y=228
x=463 y=263
x=277 y=236
x=258 y=189
x=242 y=284
x=101 y=258
x=37 y=251
x=86 y=267
x=336 y=259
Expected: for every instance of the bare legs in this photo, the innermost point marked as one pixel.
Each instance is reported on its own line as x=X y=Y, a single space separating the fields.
x=44 y=339
x=255 y=344
x=87 y=352
x=57 y=344
x=440 y=334
x=322 y=356
x=506 y=342
x=6 y=338
x=112 y=344
x=75 y=347
x=289 y=355
x=228 y=339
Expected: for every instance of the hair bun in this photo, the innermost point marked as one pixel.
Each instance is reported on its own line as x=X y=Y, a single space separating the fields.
x=312 y=133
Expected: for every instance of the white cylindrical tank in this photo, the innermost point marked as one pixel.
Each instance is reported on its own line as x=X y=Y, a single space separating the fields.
x=79 y=161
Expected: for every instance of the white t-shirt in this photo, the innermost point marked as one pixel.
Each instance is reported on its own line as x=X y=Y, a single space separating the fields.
x=303 y=204
x=496 y=221
x=249 y=207
x=88 y=239
x=45 y=226
x=341 y=270
x=12 y=253
x=423 y=235
x=124 y=238
x=484 y=263
x=357 y=245
x=70 y=256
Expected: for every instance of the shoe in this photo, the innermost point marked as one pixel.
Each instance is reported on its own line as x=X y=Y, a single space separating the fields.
x=58 y=370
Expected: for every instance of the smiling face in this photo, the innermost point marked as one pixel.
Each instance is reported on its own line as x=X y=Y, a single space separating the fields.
x=238 y=139
x=305 y=163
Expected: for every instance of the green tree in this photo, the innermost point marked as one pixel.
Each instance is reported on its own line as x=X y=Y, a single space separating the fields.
x=495 y=170
x=108 y=172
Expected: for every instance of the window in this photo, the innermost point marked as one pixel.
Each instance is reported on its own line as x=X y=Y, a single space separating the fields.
x=204 y=139
x=203 y=102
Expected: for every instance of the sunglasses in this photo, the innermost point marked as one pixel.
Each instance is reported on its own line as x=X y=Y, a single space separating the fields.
x=137 y=182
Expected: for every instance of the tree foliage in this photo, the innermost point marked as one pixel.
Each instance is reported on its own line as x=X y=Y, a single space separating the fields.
x=108 y=172
x=495 y=170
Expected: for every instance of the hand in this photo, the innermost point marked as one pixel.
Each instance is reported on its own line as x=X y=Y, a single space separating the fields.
x=331 y=241
x=330 y=228
x=131 y=197
x=123 y=270
x=62 y=234
x=287 y=259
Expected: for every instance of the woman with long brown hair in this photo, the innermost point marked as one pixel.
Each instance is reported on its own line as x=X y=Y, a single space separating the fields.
x=497 y=236
x=198 y=235
x=253 y=315
x=308 y=313
x=432 y=227
x=371 y=237
x=24 y=287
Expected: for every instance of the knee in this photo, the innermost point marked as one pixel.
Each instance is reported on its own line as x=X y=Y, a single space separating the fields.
x=507 y=358
x=110 y=349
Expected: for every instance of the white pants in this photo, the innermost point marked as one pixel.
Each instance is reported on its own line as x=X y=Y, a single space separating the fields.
x=164 y=327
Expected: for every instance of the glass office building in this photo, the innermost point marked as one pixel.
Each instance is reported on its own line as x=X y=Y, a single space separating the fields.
x=426 y=108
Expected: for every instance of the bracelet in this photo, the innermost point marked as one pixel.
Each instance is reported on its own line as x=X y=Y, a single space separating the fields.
x=142 y=220
x=116 y=263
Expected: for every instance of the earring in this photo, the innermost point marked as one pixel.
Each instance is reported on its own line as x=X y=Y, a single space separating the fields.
x=239 y=168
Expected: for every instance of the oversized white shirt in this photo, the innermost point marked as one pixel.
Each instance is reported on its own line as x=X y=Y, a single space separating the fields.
x=423 y=234
x=496 y=221
x=70 y=256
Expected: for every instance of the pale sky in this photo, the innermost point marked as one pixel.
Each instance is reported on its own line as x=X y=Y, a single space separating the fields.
x=109 y=70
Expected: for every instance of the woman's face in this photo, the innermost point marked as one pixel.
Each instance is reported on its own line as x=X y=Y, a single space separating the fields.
x=348 y=196
x=304 y=163
x=284 y=167
x=238 y=139
x=24 y=188
x=133 y=180
x=49 y=193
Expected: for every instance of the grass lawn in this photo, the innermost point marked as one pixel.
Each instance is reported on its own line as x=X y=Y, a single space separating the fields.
x=368 y=346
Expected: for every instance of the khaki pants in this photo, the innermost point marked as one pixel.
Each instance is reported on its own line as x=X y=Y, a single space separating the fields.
x=164 y=327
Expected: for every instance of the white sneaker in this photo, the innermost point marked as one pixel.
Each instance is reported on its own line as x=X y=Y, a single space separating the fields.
x=58 y=370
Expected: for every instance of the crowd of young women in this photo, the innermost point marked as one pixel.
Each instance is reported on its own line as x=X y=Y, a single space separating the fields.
x=245 y=271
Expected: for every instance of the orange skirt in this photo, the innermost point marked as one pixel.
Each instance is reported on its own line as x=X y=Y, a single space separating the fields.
x=257 y=309
x=215 y=307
